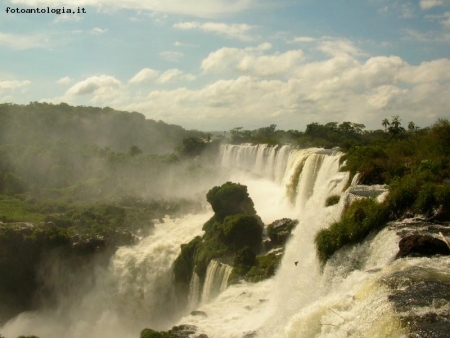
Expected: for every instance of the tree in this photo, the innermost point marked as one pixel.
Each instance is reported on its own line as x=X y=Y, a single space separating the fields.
x=411 y=126
x=395 y=128
x=134 y=150
x=385 y=123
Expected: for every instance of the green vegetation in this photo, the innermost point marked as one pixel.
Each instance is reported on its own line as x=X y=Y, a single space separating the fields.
x=332 y=200
x=230 y=199
x=234 y=229
x=93 y=170
x=264 y=267
x=415 y=164
x=244 y=260
x=357 y=221
x=180 y=331
x=149 y=333
x=332 y=134
x=242 y=230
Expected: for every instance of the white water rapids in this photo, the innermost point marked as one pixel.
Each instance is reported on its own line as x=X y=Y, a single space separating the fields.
x=135 y=290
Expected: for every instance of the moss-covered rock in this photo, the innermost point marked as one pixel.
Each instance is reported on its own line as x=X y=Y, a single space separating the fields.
x=184 y=264
x=264 y=268
x=234 y=226
x=230 y=199
x=244 y=260
x=332 y=200
x=242 y=230
x=149 y=333
x=180 y=331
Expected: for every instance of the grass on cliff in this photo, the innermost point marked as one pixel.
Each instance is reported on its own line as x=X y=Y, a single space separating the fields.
x=360 y=218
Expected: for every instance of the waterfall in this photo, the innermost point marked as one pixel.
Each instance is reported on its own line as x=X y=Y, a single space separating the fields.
x=194 y=291
x=216 y=280
x=300 y=300
x=263 y=160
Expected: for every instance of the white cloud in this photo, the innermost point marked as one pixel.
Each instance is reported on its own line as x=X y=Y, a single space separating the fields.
x=102 y=87
x=174 y=75
x=252 y=61
x=445 y=20
x=237 y=31
x=144 y=75
x=98 y=31
x=431 y=36
x=340 y=88
x=198 y=8
x=302 y=39
x=20 y=42
x=61 y=18
x=64 y=80
x=171 y=56
x=426 y=72
x=13 y=84
x=426 y=4
x=334 y=47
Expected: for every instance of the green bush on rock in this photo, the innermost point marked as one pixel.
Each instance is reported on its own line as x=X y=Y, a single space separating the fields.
x=149 y=333
x=332 y=200
x=230 y=199
x=264 y=268
x=242 y=230
x=357 y=221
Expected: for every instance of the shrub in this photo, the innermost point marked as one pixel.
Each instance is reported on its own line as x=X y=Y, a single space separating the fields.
x=243 y=262
x=230 y=199
x=149 y=333
x=332 y=200
x=264 y=268
x=358 y=220
x=242 y=230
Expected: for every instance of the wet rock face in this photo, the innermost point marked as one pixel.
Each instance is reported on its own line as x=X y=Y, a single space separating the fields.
x=421 y=246
x=430 y=300
x=420 y=296
x=280 y=230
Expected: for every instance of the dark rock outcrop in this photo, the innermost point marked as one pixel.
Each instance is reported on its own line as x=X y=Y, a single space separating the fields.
x=280 y=230
x=421 y=246
x=180 y=331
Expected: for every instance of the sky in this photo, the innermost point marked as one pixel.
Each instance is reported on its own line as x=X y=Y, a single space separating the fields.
x=219 y=64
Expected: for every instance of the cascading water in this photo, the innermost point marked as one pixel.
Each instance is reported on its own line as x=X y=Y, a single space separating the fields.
x=216 y=280
x=301 y=301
